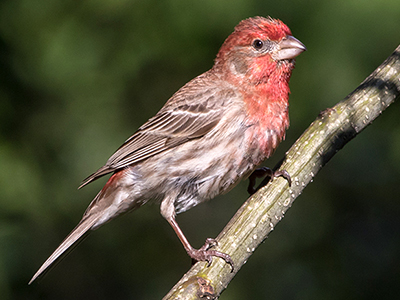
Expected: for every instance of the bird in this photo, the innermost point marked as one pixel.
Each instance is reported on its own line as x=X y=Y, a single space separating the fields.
x=211 y=134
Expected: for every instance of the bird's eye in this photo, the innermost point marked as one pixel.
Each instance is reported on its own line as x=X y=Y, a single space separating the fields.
x=258 y=44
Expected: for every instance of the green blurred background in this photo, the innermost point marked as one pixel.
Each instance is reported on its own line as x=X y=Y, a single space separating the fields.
x=79 y=77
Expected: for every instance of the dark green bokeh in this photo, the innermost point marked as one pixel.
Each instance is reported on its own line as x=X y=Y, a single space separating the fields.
x=77 y=78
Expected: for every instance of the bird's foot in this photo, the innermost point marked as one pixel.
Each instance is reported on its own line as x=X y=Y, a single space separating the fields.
x=269 y=175
x=205 y=254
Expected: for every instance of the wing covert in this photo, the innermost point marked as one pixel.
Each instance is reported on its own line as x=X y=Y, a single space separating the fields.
x=169 y=128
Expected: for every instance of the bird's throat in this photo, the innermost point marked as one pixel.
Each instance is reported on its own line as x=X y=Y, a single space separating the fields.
x=268 y=111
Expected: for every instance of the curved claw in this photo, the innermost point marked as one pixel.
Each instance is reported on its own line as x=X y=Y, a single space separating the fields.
x=222 y=255
x=210 y=242
x=258 y=173
x=205 y=254
x=269 y=175
x=284 y=174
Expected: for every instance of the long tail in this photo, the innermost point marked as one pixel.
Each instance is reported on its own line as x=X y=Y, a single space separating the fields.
x=78 y=234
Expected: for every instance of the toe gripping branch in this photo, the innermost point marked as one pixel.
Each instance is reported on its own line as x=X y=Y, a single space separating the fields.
x=269 y=175
x=206 y=254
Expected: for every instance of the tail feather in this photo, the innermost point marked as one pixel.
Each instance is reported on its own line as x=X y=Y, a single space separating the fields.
x=78 y=234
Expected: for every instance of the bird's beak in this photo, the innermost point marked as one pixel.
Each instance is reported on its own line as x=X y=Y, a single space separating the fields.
x=289 y=48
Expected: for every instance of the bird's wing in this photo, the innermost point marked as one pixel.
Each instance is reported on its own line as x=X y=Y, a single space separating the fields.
x=164 y=131
x=175 y=124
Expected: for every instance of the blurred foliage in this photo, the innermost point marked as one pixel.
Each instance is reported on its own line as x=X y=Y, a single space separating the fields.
x=79 y=77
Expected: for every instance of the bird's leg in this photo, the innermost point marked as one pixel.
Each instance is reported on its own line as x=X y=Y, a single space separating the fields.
x=204 y=253
x=269 y=174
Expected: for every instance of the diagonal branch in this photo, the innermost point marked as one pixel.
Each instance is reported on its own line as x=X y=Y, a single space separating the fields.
x=258 y=216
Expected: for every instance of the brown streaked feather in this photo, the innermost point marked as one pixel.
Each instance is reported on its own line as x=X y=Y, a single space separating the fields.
x=173 y=125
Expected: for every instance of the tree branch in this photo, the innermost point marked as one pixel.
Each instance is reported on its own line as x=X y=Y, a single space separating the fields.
x=258 y=216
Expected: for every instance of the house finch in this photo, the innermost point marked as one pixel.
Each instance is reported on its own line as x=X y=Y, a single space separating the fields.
x=210 y=134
